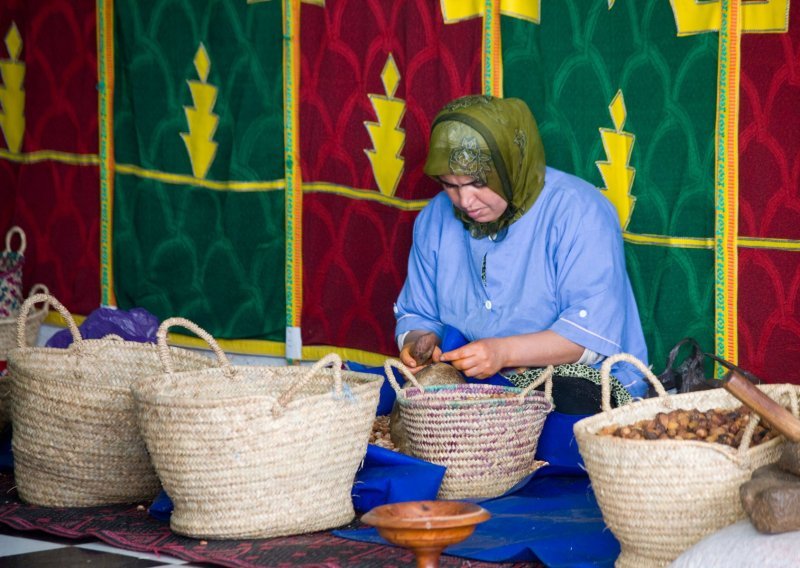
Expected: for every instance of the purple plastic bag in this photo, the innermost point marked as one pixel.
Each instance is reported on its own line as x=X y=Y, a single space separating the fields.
x=136 y=324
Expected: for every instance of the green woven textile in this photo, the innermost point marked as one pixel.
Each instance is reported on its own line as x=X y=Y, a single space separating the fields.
x=569 y=69
x=198 y=199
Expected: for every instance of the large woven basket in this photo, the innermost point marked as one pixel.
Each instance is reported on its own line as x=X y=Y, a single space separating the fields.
x=485 y=435
x=659 y=497
x=256 y=451
x=11 y=262
x=8 y=341
x=75 y=437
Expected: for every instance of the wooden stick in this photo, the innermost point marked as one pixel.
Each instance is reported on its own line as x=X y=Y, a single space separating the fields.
x=769 y=410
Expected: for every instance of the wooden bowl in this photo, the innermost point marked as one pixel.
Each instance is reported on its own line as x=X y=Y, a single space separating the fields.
x=426 y=527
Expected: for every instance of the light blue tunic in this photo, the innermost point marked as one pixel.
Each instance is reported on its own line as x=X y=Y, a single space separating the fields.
x=561 y=267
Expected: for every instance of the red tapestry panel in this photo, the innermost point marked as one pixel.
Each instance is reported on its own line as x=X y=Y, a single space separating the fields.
x=355 y=250
x=769 y=190
x=54 y=196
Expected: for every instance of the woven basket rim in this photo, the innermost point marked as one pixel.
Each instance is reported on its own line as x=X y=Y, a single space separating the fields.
x=437 y=396
x=105 y=343
x=160 y=387
x=587 y=428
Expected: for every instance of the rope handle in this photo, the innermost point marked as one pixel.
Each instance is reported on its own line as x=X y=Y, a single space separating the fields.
x=400 y=366
x=605 y=377
x=547 y=378
x=23 y=243
x=747 y=437
x=22 y=320
x=329 y=359
x=163 y=348
x=36 y=289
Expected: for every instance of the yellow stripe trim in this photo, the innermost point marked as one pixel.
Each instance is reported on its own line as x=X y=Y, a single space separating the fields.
x=54 y=318
x=260 y=347
x=699 y=242
x=365 y=195
x=51 y=155
x=663 y=240
x=772 y=244
x=182 y=179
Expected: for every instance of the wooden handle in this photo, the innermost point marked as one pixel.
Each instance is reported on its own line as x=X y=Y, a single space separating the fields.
x=772 y=412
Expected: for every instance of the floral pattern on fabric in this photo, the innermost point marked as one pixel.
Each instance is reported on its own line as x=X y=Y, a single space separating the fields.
x=618 y=393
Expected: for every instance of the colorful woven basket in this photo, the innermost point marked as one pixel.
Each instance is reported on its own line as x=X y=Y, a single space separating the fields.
x=75 y=437
x=485 y=435
x=659 y=497
x=11 y=262
x=249 y=451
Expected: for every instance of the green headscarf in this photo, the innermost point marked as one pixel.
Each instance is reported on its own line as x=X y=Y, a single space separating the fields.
x=497 y=142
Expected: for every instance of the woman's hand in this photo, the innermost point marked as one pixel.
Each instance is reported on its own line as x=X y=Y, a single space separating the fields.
x=483 y=358
x=420 y=350
x=480 y=359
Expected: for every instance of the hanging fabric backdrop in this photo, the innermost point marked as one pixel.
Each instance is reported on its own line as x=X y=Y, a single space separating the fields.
x=255 y=165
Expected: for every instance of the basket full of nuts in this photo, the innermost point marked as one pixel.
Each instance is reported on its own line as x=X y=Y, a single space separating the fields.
x=485 y=435
x=666 y=471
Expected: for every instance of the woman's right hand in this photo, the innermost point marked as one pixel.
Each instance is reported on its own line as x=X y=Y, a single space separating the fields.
x=421 y=348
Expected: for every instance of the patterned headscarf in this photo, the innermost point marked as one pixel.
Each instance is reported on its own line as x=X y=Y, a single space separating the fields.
x=496 y=141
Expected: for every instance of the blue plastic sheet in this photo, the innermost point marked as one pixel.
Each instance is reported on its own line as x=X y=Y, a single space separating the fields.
x=136 y=324
x=557 y=444
x=553 y=518
x=391 y=477
x=6 y=457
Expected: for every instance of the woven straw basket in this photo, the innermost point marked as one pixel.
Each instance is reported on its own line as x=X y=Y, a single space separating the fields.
x=659 y=497
x=485 y=435
x=256 y=451
x=75 y=437
x=8 y=340
x=11 y=262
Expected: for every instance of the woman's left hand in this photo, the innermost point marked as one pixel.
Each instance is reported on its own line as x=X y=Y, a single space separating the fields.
x=480 y=359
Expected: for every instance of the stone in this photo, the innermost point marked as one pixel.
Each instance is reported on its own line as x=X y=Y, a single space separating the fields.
x=790 y=458
x=771 y=500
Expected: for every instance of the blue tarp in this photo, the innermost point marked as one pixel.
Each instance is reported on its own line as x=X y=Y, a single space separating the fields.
x=553 y=518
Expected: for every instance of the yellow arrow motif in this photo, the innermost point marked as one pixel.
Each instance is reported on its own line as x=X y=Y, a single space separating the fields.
x=202 y=122
x=699 y=16
x=387 y=137
x=12 y=92
x=617 y=174
x=457 y=10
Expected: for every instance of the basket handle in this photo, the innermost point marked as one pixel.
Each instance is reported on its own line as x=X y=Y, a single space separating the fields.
x=605 y=377
x=547 y=378
x=750 y=429
x=288 y=395
x=22 y=319
x=163 y=348
x=397 y=364
x=23 y=243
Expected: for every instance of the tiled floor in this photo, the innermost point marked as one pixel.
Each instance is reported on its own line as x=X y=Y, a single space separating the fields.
x=29 y=549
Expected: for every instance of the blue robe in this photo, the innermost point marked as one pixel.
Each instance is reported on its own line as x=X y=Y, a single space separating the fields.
x=561 y=266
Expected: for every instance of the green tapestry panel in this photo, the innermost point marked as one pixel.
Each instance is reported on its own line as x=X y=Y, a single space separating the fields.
x=198 y=139
x=570 y=67
x=675 y=296
x=159 y=49
x=215 y=257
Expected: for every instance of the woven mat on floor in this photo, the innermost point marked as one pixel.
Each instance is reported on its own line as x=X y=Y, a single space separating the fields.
x=131 y=528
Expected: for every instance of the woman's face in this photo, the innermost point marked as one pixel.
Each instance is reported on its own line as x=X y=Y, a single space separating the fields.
x=473 y=198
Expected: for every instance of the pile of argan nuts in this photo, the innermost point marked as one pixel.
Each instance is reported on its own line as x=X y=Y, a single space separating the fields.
x=380 y=433
x=720 y=425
